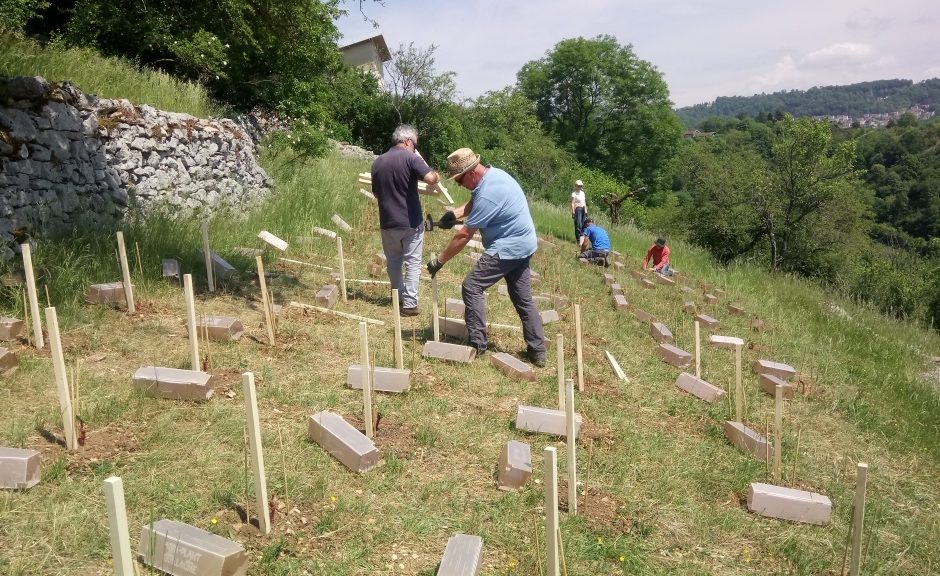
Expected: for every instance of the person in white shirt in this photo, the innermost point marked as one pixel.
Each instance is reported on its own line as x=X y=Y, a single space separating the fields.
x=578 y=209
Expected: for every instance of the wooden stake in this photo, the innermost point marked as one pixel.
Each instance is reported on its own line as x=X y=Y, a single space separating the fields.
x=858 y=518
x=435 y=311
x=796 y=456
x=191 y=320
x=210 y=276
x=342 y=267
x=327 y=268
x=778 y=430
x=337 y=313
x=262 y=283
x=205 y=334
x=280 y=441
x=274 y=320
x=550 y=479
x=33 y=298
x=26 y=318
x=396 y=319
x=578 y=347
x=126 y=274
x=48 y=300
x=62 y=384
x=560 y=354
x=366 y=383
x=561 y=554
x=572 y=448
x=140 y=265
x=257 y=454
x=120 y=533
x=738 y=386
x=698 y=350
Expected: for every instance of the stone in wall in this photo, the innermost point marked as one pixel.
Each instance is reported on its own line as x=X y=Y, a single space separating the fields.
x=69 y=158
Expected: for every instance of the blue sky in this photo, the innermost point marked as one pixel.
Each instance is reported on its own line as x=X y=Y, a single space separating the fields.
x=704 y=49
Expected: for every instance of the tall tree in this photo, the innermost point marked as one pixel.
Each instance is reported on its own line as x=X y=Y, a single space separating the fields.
x=610 y=108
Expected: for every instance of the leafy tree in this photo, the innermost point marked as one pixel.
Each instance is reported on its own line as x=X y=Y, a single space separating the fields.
x=608 y=107
x=14 y=14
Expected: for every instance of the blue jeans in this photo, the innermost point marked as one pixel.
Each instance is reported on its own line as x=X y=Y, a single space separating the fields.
x=404 y=246
x=579 y=216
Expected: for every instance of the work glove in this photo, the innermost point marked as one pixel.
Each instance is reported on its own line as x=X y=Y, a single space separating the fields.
x=434 y=265
x=448 y=220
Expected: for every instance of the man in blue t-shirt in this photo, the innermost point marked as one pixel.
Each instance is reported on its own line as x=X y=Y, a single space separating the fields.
x=499 y=210
x=595 y=244
x=395 y=176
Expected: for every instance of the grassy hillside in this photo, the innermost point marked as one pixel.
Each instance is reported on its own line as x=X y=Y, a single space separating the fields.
x=662 y=488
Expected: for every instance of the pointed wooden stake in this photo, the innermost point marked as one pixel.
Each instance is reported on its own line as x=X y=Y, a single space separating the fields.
x=738 y=386
x=257 y=453
x=366 y=380
x=698 y=350
x=263 y=284
x=61 y=380
x=31 y=294
x=578 y=347
x=190 y=302
x=342 y=267
x=550 y=479
x=560 y=354
x=572 y=449
x=396 y=320
x=778 y=430
x=858 y=518
x=126 y=275
x=435 y=311
x=117 y=520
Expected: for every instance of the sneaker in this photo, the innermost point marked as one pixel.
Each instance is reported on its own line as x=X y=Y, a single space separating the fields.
x=409 y=311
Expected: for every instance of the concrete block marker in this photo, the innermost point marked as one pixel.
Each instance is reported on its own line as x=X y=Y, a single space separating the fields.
x=342 y=441
x=170 y=270
x=173 y=383
x=221 y=269
x=637 y=275
x=620 y=302
x=375 y=270
x=609 y=279
x=109 y=293
x=789 y=504
x=619 y=265
x=686 y=290
x=544 y=420
x=757 y=324
x=10 y=328
x=220 y=328
x=327 y=296
x=452 y=327
x=660 y=333
x=560 y=302
x=463 y=556
x=384 y=379
x=699 y=388
x=674 y=356
x=451 y=352
x=340 y=223
x=454 y=308
x=32 y=295
x=664 y=280
x=183 y=550
x=725 y=341
x=272 y=240
x=778 y=369
x=515 y=466
x=19 y=468
x=707 y=321
x=8 y=361
x=768 y=383
x=689 y=307
x=648 y=284
x=748 y=440
x=549 y=316
x=502 y=290
x=616 y=289
x=710 y=299
x=643 y=316
x=735 y=309
x=117 y=521
x=720 y=293
x=513 y=367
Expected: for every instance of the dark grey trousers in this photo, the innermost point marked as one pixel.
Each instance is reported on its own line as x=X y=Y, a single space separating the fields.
x=488 y=271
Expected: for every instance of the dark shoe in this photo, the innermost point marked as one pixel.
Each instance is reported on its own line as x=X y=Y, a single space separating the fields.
x=481 y=350
x=409 y=311
x=537 y=358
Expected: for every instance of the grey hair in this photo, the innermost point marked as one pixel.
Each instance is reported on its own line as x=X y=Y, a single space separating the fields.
x=403 y=133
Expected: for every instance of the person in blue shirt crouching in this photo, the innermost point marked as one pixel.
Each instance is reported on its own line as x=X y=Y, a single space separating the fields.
x=595 y=244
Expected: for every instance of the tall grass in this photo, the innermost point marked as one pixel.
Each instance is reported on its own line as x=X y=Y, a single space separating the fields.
x=102 y=76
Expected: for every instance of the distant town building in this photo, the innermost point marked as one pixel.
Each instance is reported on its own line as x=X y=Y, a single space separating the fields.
x=369 y=54
x=692 y=133
x=919 y=111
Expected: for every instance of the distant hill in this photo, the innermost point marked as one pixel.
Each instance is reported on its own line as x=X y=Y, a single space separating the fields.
x=854 y=100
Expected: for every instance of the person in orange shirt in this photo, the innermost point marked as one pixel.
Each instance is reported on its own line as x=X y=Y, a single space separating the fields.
x=658 y=255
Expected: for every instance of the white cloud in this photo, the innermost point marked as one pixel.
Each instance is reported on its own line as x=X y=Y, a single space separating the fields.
x=784 y=72
x=841 y=54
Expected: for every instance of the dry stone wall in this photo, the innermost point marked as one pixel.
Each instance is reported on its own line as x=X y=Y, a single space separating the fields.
x=68 y=158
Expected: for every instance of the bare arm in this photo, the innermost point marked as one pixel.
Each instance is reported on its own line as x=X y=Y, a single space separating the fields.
x=457 y=243
x=431 y=178
x=462 y=211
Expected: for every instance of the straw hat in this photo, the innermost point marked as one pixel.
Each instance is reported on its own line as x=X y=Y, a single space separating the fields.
x=460 y=162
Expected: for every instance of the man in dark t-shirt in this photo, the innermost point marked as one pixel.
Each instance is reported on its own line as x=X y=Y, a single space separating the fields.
x=395 y=176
